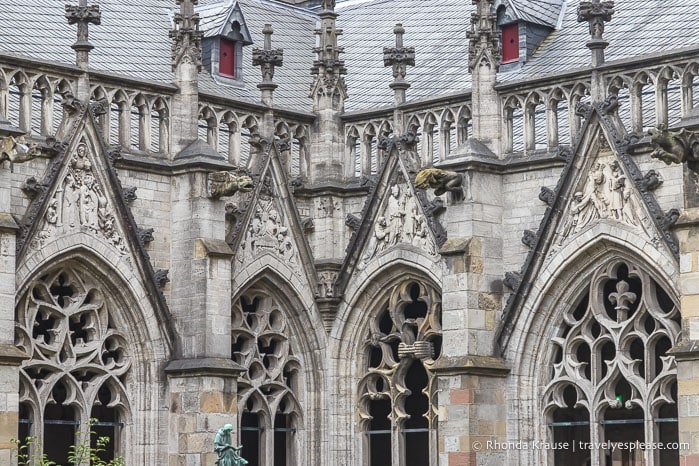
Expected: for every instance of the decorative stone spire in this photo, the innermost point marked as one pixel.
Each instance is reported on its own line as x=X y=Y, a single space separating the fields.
x=186 y=37
x=596 y=13
x=484 y=62
x=399 y=57
x=267 y=59
x=186 y=63
x=484 y=37
x=83 y=15
x=328 y=89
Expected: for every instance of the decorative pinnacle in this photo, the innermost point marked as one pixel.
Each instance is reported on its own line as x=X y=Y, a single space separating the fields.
x=267 y=59
x=399 y=57
x=484 y=37
x=186 y=44
x=83 y=15
x=596 y=13
x=328 y=52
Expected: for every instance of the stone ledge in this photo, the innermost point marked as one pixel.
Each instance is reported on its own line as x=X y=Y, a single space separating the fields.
x=455 y=246
x=10 y=355
x=204 y=366
x=686 y=350
x=471 y=364
x=688 y=218
x=204 y=247
x=7 y=223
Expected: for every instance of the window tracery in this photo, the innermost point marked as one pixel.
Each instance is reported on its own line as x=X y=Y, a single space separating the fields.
x=270 y=412
x=397 y=394
x=78 y=366
x=612 y=379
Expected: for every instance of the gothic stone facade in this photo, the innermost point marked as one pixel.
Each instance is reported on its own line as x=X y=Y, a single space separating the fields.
x=541 y=302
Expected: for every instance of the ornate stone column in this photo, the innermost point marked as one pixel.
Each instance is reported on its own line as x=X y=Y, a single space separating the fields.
x=683 y=147
x=12 y=150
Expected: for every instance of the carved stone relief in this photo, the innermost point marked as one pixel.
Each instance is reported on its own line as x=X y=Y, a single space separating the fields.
x=268 y=233
x=327 y=207
x=400 y=222
x=605 y=193
x=80 y=204
x=4 y=245
x=326 y=284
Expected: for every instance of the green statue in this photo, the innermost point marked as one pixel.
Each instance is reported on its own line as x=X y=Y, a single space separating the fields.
x=227 y=453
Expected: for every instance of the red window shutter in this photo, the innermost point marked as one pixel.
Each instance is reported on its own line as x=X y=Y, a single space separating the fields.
x=510 y=43
x=226 y=62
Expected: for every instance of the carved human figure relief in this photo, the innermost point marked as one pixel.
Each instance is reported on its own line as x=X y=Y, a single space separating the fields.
x=399 y=222
x=603 y=194
x=80 y=204
x=326 y=284
x=268 y=233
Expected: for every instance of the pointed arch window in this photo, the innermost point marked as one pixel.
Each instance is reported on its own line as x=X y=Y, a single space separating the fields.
x=397 y=394
x=612 y=379
x=270 y=412
x=78 y=366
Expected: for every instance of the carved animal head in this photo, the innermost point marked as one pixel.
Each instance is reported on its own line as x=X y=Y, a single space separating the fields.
x=245 y=184
x=672 y=146
x=18 y=150
x=429 y=178
x=439 y=180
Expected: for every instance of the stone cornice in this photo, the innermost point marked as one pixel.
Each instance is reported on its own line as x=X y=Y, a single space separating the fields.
x=10 y=355
x=491 y=366
x=204 y=367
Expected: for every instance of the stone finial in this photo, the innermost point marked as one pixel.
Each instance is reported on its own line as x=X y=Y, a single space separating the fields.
x=399 y=57
x=484 y=37
x=596 y=13
x=83 y=15
x=186 y=37
x=328 y=68
x=267 y=59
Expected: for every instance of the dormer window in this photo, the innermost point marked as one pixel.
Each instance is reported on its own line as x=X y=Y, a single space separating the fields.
x=227 y=62
x=225 y=35
x=510 y=43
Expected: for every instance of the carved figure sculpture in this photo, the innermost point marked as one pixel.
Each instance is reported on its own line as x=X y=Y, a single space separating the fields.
x=675 y=146
x=227 y=453
x=439 y=180
x=80 y=203
x=17 y=150
x=228 y=183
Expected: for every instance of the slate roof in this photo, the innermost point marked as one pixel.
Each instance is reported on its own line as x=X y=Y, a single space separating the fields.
x=637 y=28
x=133 y=41
x=214 y=17
x=544 y=12
x=293 y=31
x=437 y=31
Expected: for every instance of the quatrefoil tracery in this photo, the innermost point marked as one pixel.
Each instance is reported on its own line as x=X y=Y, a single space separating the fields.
x=63 y=323
x=261 y=345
